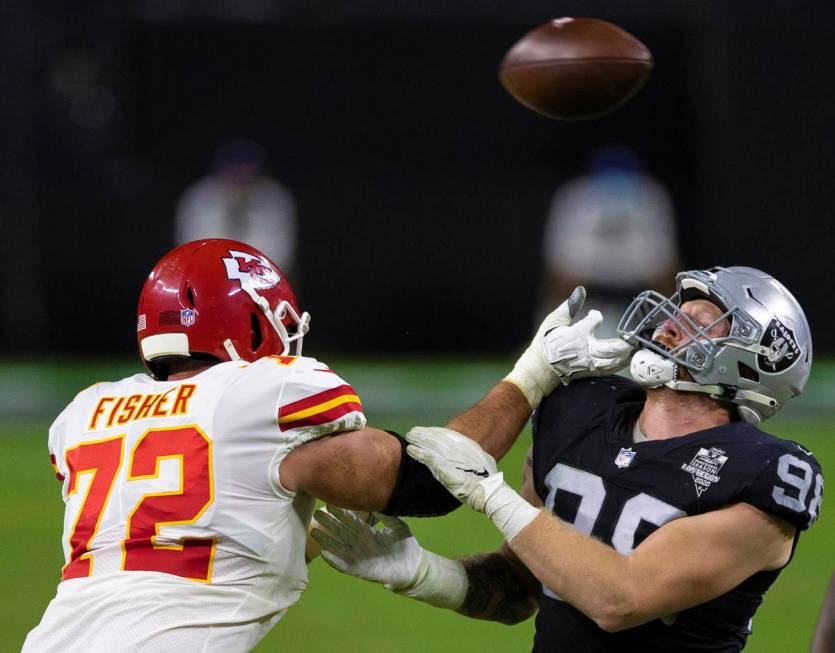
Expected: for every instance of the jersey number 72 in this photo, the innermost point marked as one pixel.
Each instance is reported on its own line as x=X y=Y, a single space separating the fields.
x=103 y=459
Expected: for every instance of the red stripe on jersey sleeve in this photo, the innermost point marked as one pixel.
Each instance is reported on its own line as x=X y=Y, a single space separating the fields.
x=323 y=417
x=55 y=469
x=314 y=400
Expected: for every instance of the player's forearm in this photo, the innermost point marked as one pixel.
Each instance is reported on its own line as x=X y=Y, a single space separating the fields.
x=497 y=590
x=591 y=576
x=496 y=420
x=824 y=639
x=684 y=563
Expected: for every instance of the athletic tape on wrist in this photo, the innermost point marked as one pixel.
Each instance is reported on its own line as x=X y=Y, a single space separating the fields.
x=509 y=512
x=439 y=581
x=527 y=386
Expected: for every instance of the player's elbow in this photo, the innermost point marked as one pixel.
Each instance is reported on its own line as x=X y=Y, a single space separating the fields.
x=616 y=610
x=613 y=621
x=619 y=601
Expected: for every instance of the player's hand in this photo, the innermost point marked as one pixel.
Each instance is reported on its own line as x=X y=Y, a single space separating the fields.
x=458 y=463
x=561 y=351
x=575 y=351
x=469 y=473
x=390 y=555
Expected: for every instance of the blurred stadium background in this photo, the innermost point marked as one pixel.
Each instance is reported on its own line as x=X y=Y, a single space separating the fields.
x=421 y=191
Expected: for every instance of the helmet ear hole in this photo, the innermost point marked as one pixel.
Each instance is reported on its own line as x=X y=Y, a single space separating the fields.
x=747 y=372
x=190 y=296
x=257 y=335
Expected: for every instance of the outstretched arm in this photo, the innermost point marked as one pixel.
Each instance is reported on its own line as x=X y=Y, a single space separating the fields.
x=496 y=420
x=686 y=562
x=359 y=469
x=824 y=641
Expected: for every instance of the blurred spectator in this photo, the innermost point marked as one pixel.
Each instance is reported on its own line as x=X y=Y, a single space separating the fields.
x=238 y=201
x=612 y=231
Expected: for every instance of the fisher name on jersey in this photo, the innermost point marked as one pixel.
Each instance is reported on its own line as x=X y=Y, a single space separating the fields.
x=177 y=532
x=590 y=473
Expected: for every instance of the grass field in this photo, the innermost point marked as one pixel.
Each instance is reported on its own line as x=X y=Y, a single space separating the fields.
x=340 y=613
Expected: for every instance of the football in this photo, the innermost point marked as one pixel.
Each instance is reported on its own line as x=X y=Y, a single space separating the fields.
x=575 y=68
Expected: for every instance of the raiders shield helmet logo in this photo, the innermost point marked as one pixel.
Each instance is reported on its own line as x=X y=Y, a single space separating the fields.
x=783 y=350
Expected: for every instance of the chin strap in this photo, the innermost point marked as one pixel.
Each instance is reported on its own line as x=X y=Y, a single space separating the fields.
x=230 y=349
x=652 y=370
x=726 y=394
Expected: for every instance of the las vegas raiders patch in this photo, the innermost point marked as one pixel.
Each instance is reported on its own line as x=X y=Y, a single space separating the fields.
x=705 y=466
x=783 y=350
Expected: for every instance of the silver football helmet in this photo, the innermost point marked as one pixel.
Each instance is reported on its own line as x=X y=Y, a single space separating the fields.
x=763 y=361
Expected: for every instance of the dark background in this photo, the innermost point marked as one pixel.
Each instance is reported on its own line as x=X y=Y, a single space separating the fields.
x=422 y=186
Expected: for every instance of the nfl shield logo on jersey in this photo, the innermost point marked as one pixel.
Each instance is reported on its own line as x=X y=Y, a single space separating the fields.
x=624 y=458
x=188 y=316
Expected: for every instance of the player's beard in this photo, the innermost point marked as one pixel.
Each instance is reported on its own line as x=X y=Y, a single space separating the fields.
x=662 y=341
x=683 y=374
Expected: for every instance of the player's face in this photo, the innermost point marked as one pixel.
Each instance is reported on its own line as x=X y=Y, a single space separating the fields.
x=675 y=332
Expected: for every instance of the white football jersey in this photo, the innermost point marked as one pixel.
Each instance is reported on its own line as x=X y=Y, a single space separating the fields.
x=177 y=532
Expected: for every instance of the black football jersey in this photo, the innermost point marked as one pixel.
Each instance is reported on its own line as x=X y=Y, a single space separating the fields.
x=590 y=473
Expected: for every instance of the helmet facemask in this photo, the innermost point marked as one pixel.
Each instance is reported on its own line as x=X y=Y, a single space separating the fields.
x=276 y=318
x=650 y=309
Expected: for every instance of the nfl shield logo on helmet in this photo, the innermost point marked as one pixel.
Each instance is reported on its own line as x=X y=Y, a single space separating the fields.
x=624 y=458
x=188 y=316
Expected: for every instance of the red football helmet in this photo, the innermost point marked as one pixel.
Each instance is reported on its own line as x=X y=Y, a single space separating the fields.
x=217 y=299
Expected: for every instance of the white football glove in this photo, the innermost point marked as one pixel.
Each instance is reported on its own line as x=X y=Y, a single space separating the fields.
x=390 y=555
x=470 y=475
x=457 y=462
x=561 y=351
